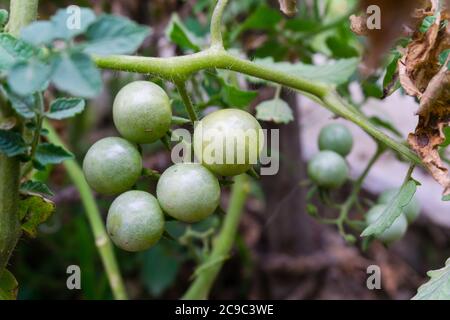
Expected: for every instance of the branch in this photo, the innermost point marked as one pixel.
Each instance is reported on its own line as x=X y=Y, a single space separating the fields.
x=216 y=24
x=102 y=241
x=208 y=271
x=179 y=68
x=181 y=86
x=21 y=14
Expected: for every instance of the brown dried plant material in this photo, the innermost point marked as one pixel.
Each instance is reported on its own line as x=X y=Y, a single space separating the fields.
x=288 y=7
x=395 y=17
x=422 y=76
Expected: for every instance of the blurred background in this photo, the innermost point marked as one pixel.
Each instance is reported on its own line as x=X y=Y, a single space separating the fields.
x=280 y=252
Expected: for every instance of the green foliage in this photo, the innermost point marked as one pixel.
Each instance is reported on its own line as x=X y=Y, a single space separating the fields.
x=8 y=286
x=24 y=106
x=427 y=23
x=27 y=77
x=393 y=210
x=114 y=35
x=443 y=57
x=3 y=17
x=31 y=186
x=47 y=153
x=438 y=287
x=336 y=73
x=158 y=277
x=179 y=34
x=276 y=110
x=11 y=143
x=33 y=211
x=13 y=50
x=75 y=73
x=65 y=108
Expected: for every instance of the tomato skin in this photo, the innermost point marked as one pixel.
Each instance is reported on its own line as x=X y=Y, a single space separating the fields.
x=142 y=112
x=328 y=170
x=222 y=125
x=395 y=232
x=411 y=210
x=135 y=221
x=188 y=192
x=112 y=165
x=336 y=137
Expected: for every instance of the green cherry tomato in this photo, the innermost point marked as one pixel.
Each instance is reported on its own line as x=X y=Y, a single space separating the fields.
x=112 y=165
x=135 y=221
x=228 y=141
x=328 y=170
x=336 y=137
x=411 y=210
x=142 y=112
x=395 y=232
x=188 y=192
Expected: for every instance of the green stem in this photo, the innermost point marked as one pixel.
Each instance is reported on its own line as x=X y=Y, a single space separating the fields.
x=102 y=241
x=21 y=14
x=216 y=23
x=181 y=86
x=179 y=68
x=208 y=272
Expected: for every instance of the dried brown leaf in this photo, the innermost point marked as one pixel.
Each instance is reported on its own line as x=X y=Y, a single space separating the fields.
x=288 y=7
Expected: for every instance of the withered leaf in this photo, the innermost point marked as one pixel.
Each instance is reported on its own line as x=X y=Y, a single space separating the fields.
x=288 y=7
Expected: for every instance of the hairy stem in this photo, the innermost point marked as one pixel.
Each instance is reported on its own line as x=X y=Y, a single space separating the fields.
x=216 y=23
x=208 y=271
x=21 y=14
x=102 y=241
x=179 y=68
x=181 y=86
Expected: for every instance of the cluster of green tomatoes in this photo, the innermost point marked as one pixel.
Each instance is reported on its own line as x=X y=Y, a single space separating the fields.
x=188 y=192
x=328 y=169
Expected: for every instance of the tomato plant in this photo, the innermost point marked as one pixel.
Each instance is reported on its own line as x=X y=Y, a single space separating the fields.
x=51 y=72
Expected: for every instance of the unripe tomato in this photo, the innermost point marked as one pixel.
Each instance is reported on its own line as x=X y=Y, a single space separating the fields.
x=188 y=192
x=112 y=165
x=336 y=137
x=135 y=221
x=395 y=232
x=142 y=112
x=228 y=141
x=328 y=170
x=411 y=210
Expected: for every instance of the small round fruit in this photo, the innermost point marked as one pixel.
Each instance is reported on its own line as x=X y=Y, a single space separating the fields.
x=411 y=210
x=188 y=192
x=228 y=141
x=336 y=137
x=135 y=221
x=328 y=170
x=112 y=165
x=395 y=232
x=142 y=112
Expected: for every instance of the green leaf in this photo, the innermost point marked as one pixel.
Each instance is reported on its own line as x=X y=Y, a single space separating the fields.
x=13 y=50
x=31 y=186
x=438 y=287
x=3 y=17
x=393 y=210
x=72 y=21
x=62 y=108
x=276 y=110
x=27 y=77
x=263 y=18
x=337 y=73
x=446 y=142
x=114 y=35
x=11 y=143
x=427 y=23
x=443 y=58
x=23 y=105
x=446 y=198
x=340 y=48
x=391 y=69
x=235 y=97
x=160 y=269
x=33 y=211
x=177 y=32
x=75 y=73
x=8 y=286
x=39 y=32
x=47 y=153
